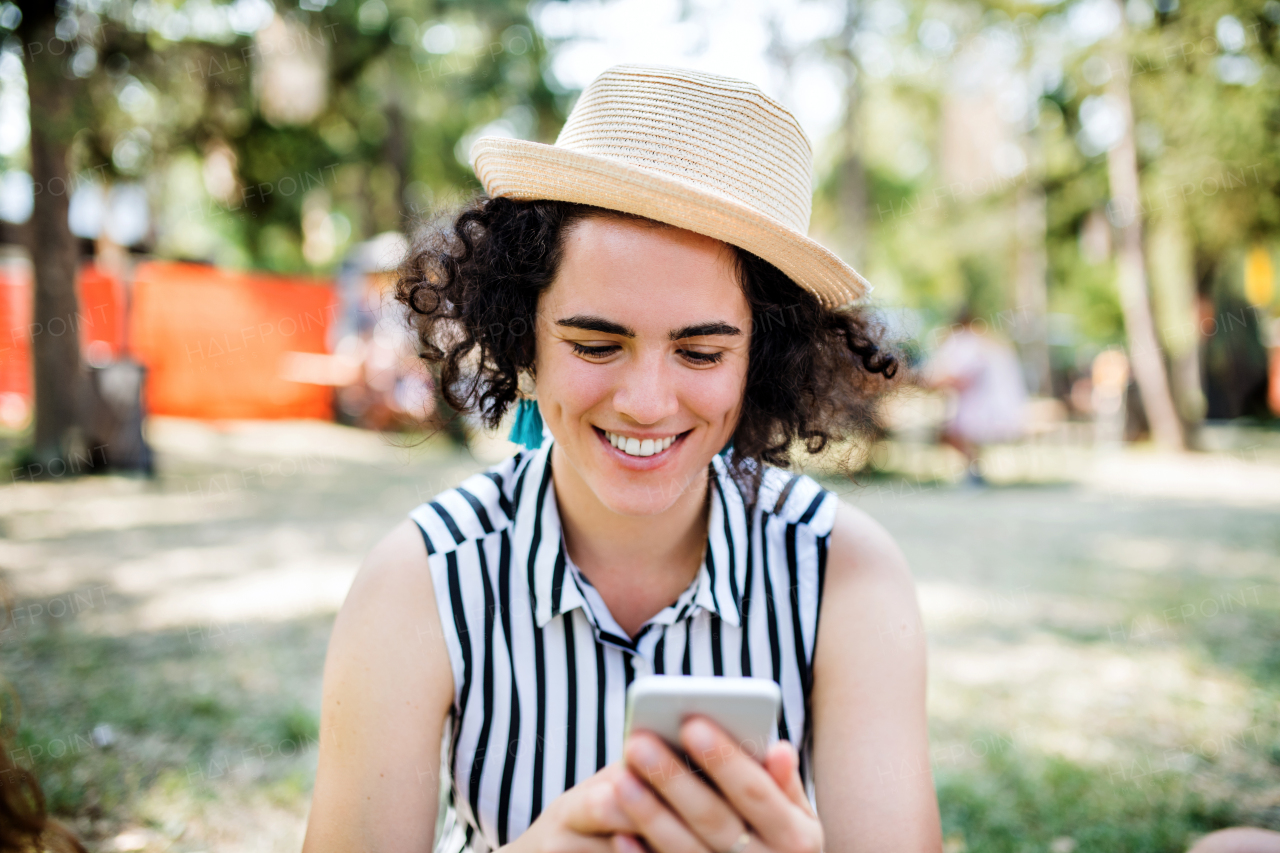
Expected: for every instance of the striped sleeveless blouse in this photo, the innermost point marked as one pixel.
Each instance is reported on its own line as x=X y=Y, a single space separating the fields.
x=541 y=668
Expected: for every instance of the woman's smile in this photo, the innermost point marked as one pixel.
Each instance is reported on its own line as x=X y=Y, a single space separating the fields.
x=656 y=448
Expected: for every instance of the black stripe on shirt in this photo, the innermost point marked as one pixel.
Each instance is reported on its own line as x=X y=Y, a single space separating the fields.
x=464 y=642
x=458 y=538
x=747 y=594
x=557 y=582
x=539 y=653
x=686 y=665
x=426 y=540
x=502 y=495
x=813 y=508
x=717 y=654
x=478 y=508
x=797 y=630
x=513 y=731
x=602 y=690
x=775 y=652
x=728 y=538
x=571 y=680
x=802 y=658
x=482 y=744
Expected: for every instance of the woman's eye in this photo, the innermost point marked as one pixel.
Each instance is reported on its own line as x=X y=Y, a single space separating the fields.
x=702 y=357
x=594 y=352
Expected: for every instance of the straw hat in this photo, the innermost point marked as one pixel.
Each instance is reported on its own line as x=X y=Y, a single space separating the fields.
x=705 y=153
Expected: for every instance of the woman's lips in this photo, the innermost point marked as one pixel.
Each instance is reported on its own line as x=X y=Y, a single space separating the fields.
x=635 y=448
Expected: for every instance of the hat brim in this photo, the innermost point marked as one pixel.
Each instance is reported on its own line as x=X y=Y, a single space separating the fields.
x=526 y=171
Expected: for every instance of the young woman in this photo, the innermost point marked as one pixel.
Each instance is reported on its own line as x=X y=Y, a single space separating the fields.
x=645 y=285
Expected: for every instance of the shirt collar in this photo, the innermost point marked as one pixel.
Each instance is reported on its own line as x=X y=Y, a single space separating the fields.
x=556 y=589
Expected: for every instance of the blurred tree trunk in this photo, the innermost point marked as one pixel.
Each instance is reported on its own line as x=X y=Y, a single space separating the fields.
x=1145 y=355
x=55 y=341
x=1032 y=265
x=1172 y=267
x=395 y=151
x=853 y=172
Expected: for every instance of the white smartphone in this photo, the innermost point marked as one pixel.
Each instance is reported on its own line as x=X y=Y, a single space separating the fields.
x=746 y=708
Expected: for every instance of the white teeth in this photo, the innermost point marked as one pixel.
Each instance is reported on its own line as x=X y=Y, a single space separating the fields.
x=638 y=447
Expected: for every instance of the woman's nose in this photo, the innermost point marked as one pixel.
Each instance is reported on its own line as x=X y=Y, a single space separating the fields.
x=646 y=393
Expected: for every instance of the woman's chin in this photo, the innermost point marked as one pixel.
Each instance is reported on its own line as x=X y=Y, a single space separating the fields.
x=645 y=493
x=642 y=501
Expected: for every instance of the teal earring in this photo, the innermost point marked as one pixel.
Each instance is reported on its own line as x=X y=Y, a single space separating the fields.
x=527 y=429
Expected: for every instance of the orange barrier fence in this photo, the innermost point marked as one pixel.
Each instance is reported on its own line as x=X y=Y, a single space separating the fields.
x=1273 y=393
x=15 y=341
x=216 y=343
x=102 y=309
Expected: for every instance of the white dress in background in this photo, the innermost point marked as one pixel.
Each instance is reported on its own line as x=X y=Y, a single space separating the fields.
x=991 y=393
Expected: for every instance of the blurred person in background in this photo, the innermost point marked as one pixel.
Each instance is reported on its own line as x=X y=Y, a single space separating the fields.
x=1109 y=380
x=989 y=393
x=1234 y=358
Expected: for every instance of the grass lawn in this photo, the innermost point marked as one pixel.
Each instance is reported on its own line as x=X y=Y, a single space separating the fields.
x=1104 y=635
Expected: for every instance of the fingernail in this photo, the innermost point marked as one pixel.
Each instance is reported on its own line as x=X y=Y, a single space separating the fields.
x=698 y=735
x=629 y=789
x=643 y=752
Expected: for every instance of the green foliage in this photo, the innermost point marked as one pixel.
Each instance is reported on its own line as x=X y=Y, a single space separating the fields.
x=1017 y=801
x=299 y=726
x=1207 y=135
x=391 y=118
x=184 y=711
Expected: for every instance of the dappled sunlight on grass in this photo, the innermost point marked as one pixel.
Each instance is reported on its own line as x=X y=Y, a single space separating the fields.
x=1104 y=671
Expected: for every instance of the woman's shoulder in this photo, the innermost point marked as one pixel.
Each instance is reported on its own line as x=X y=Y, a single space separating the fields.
x=798 y=499
x=864 y=555
x=859 y=546
x=482 y=505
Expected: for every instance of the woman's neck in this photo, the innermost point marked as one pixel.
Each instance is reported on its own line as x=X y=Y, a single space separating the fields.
x=638 y=564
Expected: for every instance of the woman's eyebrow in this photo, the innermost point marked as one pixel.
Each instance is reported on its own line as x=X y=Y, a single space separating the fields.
x=703 y=330
x=596 y=324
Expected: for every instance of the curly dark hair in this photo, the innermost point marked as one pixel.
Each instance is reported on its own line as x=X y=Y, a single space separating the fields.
x=471 y=288
x=25 y=827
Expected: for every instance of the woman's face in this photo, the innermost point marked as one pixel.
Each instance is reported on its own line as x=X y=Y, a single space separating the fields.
x=642 y=343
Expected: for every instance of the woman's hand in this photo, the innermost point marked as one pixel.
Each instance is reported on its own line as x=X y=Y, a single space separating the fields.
x=581 y=820
x=676 y=812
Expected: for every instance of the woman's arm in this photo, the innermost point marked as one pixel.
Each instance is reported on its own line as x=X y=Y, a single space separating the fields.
x=388 y=687
x=871 y=746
